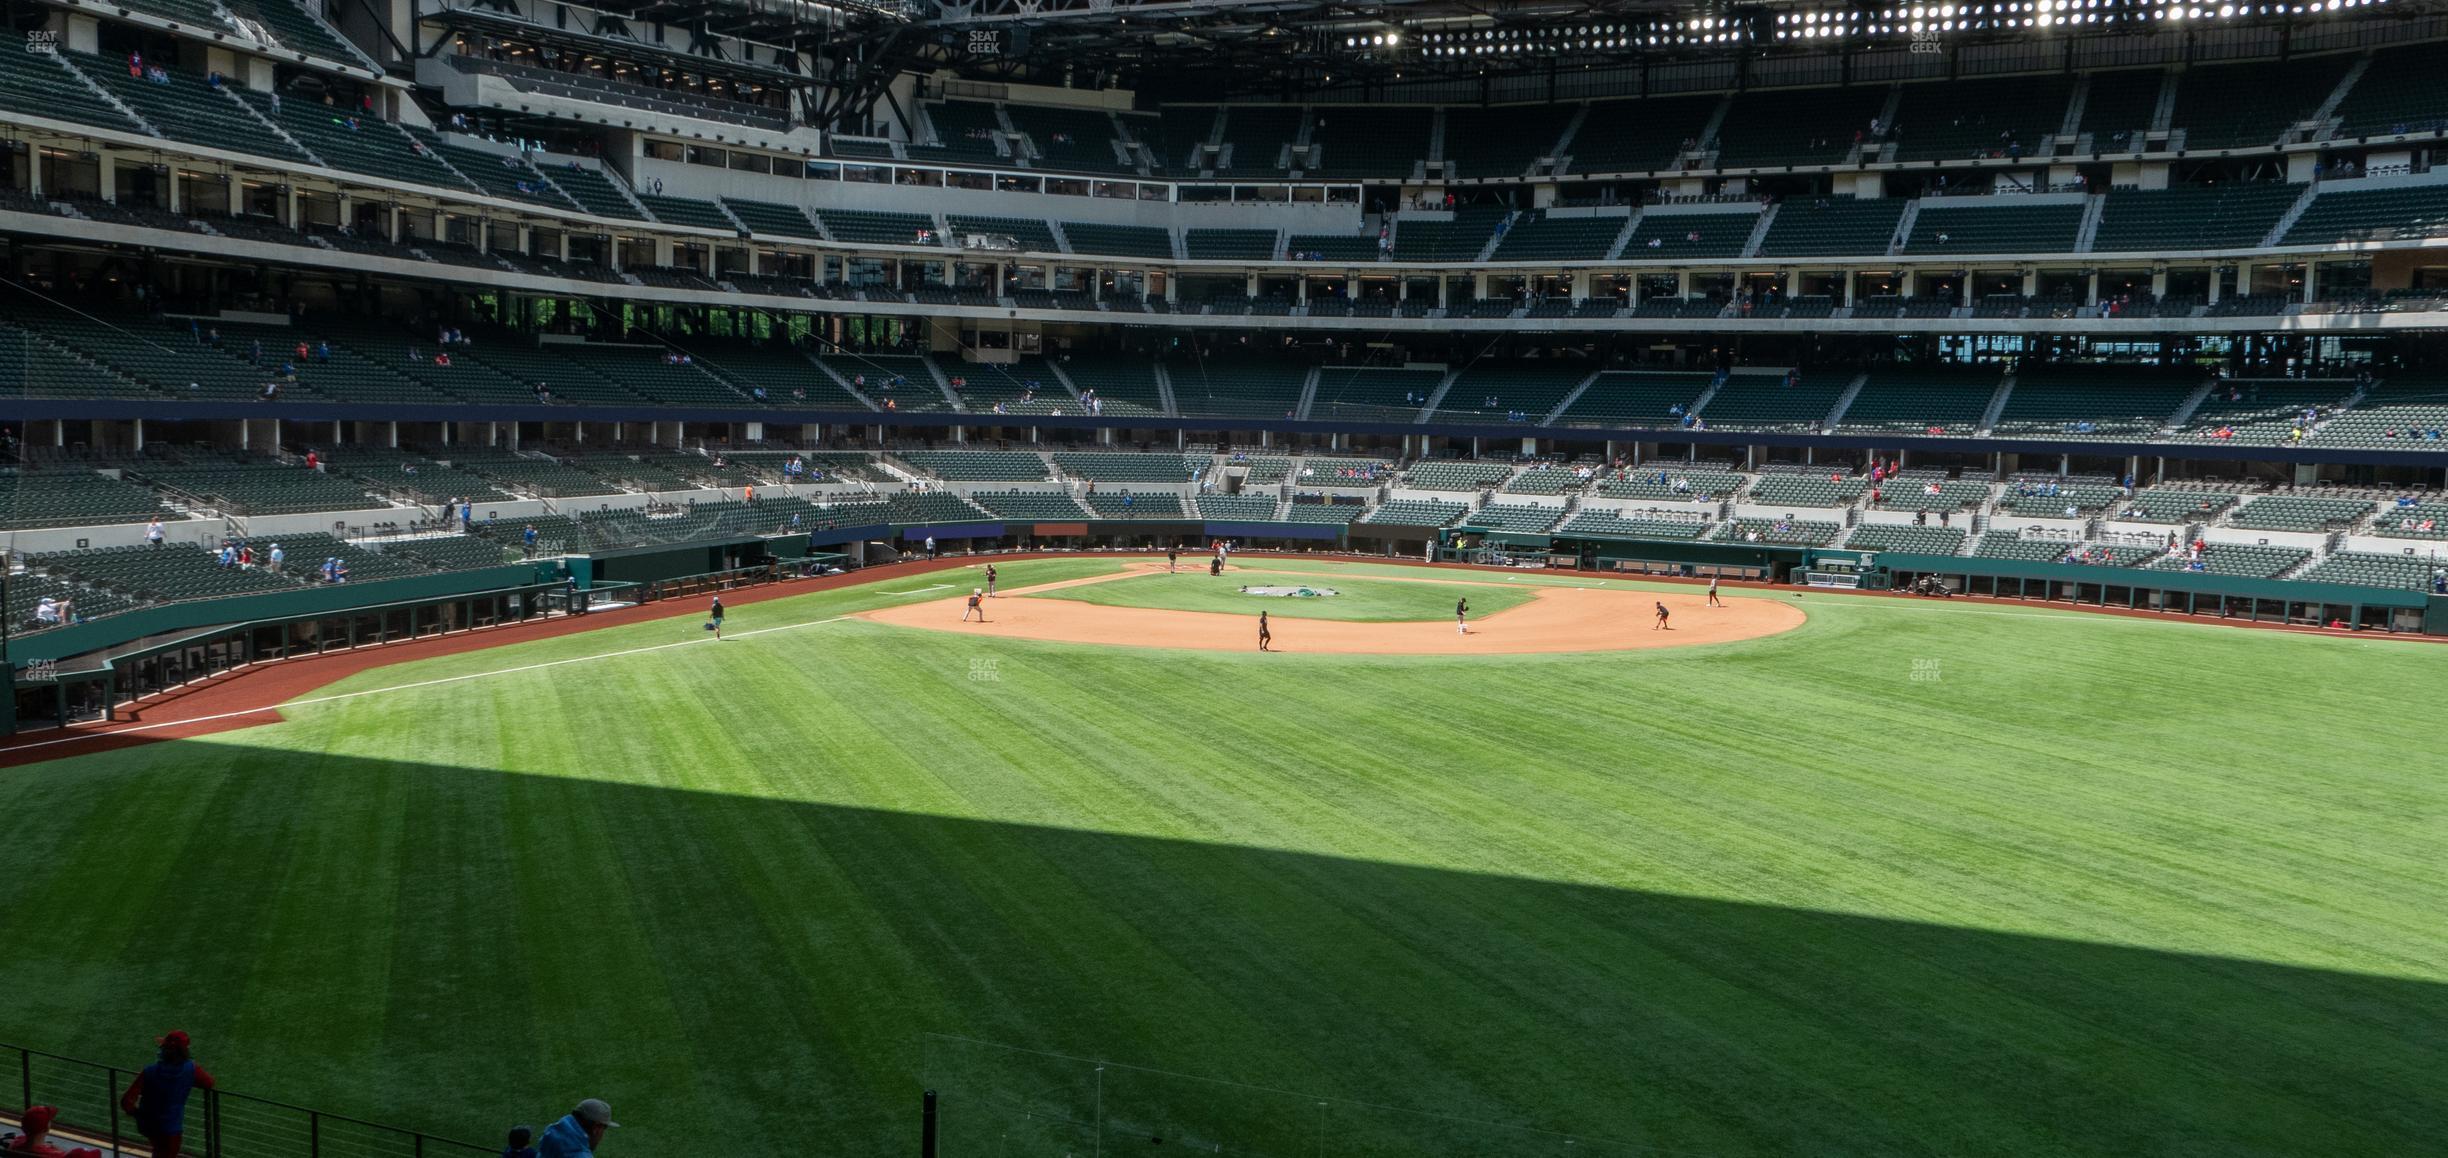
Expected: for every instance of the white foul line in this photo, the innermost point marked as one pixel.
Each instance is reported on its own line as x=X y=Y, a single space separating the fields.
x=339 y=696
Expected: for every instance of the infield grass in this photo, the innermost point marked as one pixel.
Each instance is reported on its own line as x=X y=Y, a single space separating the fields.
x=1914 y=878
x=1357 y=599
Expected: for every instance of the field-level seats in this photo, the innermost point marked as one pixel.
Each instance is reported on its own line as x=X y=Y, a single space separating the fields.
x=2248 y=560
x=1414 y=513
x=1118 y=240
x=1489 y=391
x=1314 y=510
x=1513 y=518
x=1436 y=475
x=1961 y=119
x=1832 y=227
x=1796 y=126
x=2368 y=569
x=1996 y=225
x=1361 y=141
x=451 y=552
x=1237 y=508
x=2388 y=214
x=1929 y=402
x=979 y=465
x=1434 y=239
x=1765 y=402
x=931 y=507
x=2095 y=402
x=2261 y=412
x=1123 y=467
x=1796 y=489
x=1503 y=142
x=27 y=591
x=1229 y=244
x=2227 y=216
x=164 y=573
x=257 y=487
x=2401 y=91
x=1631 y=136
x=2009 y=545
x=2299 y=513
x=1541 y=236
x=1374 y=392
x=1545 y=480
x=1136 y=505
x=1239 y=387
x=1634 y=398
x=1124 y=383
x=2251 y=106
x=2416 y=521
x=2396 y=414
x=1669 y=482
x=1905 y=537
x=1621 y=525
x=1676 y=236
x=71 y=497
x=1783 y=532
x=1323 y=471
x=1037 y=506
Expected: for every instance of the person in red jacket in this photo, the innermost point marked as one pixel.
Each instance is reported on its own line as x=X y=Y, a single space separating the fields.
x=157 y=1099
x=36 y=1124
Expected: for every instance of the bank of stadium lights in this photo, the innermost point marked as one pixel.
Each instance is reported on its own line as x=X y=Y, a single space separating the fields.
x=1587 y=37
x=1921 y=20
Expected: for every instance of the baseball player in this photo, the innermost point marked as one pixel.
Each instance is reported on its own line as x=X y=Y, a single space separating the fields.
x=977 y=605
x=1660 y=625
x=1264 y=636
x=1461 y=617
x=990 y=581
x=1713 y=601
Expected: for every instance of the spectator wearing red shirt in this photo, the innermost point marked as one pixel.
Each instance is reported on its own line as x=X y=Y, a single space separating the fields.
x=36 y=1124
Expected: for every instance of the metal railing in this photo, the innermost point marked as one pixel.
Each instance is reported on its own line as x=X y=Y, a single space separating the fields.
x=220 y=1124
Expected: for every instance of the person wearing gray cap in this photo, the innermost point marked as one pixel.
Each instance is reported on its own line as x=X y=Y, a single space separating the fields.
x=578 y=1133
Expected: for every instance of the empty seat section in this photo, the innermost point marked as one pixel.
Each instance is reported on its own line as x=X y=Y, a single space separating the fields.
x=1125 y=383
x=1935 y=402
x=1674 y=236
x=1373 y=393
x=1766 y=402
x=1490 y=392
x=2094 y=402
x=182 y=108
x=1502 y=142
x=1796 y=127
x=1636 y=398
x=2118 y=108
x=1361 y=141
x=767 y=219
x=2251 y=106
x=1635 y=136
x=1075 y=140
x=2230 y=216
x=1118 y=240
x=1960 y=119
x=1545 y=237
x=1832 y=227
x=2398 y=214
x=1458 y=239
x=1256 y=138
x=2402 y=90
x=2003 y=227
x=1253 y=388
x=1229 y=244
x=876 y=227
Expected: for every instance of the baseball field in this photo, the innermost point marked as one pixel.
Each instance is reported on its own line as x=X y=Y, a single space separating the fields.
x=1819 y=875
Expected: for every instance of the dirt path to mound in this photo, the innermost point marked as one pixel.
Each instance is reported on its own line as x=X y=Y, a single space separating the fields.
x=1556 y=619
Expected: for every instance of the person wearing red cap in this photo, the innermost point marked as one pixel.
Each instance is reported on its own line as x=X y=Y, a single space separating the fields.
x=157 y=1099
x=36 y=1124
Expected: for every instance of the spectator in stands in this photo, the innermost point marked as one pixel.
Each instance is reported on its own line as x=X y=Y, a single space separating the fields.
x=580 y=1131
x=153 y=532
x=47 y=612
x=272 y=562
x=35 y=1140
x=520 y=1144
x=527 y=538
x=157 y=1099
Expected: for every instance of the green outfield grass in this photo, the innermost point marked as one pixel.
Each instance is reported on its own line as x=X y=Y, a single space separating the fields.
x=1356 y=599
x=1914 y=878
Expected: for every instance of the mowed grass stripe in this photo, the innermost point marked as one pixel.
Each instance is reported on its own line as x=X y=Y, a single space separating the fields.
x=1773 y=897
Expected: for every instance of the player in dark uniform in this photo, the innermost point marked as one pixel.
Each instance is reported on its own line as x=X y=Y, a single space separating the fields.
x=1264 y=636
x=1215 y=566
x=1172 y=559
x=977 y=605
x=990 y=581
x=1660 y=625
x=1461 y=617
x=714 y=616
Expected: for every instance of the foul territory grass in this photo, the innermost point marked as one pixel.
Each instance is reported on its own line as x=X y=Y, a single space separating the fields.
x=1915 y=878
x=1359 y=600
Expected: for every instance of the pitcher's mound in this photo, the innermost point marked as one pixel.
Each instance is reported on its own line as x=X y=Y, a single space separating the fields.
x=1556 y=619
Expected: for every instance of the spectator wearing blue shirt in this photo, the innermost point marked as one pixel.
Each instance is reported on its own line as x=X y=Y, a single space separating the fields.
x=157 y=1099
x=520 y=1144
x=578 y=1132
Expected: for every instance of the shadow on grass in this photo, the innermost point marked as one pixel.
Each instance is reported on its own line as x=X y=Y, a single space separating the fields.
x=769 y=971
